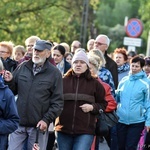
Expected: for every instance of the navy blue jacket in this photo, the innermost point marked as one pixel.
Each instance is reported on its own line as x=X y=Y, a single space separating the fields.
x=67 y=66
x=9 y=118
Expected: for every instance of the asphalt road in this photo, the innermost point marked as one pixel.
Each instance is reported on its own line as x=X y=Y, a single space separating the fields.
x=103 y=146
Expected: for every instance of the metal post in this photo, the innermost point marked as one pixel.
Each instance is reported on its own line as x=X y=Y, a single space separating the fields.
x=83 y=29
x=148 y=45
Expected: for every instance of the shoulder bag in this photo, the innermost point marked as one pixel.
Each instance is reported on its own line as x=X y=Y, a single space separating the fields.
x=105 y=121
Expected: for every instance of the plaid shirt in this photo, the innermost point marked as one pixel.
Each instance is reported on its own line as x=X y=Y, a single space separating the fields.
x=36 y=69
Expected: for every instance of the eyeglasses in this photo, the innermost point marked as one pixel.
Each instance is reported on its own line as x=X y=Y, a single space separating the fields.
x=30 y=46
x=75 y=47
x=3 y=52
x=98 y=43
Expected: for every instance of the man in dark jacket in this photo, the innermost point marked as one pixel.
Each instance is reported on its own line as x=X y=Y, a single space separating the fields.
x=102 y=43
x=9 y=118
x=38 y=84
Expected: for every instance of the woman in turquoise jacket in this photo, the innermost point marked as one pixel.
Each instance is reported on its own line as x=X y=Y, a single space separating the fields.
x=133 y=97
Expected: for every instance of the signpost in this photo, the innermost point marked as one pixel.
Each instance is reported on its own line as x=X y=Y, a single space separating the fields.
x=132 y=41
x=134 y=29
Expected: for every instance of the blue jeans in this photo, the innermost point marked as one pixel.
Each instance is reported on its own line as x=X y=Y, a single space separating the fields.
x=74 y=142
x=129 y=135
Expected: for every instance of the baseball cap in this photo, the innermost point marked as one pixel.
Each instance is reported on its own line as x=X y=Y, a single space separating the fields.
x=42 y=45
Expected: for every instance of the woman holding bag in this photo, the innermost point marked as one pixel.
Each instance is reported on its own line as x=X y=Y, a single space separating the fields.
x=95 y=64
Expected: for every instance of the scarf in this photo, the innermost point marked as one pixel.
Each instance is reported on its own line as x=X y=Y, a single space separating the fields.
x=61 y=66
x=125 y=67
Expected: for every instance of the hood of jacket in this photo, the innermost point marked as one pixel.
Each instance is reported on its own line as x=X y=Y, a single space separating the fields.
x=2 y=85
x=137 y=76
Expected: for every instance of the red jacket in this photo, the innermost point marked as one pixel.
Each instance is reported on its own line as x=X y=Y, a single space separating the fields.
x=108 y=97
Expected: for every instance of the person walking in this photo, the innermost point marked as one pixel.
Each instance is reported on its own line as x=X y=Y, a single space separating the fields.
x=9 y=118
x=103 y=73
x=83 y=97
x=94 y=61
x=133 y=105
x=58 y=54
x=146 y=67
x=40 y=96
x=6 y=50
x=102 y=43
x=75 y=45
x=29 y=43
x=105 y=76
x=120 y=57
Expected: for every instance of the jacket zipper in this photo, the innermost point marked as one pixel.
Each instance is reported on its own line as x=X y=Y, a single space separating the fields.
x=75 y=103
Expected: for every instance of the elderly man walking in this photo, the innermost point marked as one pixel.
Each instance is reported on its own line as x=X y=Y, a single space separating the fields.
x=39 y=87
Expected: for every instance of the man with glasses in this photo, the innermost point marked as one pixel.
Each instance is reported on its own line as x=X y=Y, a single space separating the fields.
x=102 y=43
x=40 y=97
x=75 y=45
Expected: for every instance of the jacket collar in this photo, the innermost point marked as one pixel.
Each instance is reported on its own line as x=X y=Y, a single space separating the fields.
x=137 y=76
x=29 y=64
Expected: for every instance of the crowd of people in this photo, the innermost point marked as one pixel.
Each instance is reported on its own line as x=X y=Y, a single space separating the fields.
x=48 y=84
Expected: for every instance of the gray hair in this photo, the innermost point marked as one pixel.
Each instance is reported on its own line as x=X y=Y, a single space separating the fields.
x=98 y=53
x=106 y=37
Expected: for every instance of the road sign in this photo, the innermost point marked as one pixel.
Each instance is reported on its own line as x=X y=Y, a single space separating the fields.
x=137 y=42
x=134 y=28
x=131 y=48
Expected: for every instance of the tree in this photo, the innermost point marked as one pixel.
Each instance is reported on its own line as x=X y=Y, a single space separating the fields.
x=49 y=19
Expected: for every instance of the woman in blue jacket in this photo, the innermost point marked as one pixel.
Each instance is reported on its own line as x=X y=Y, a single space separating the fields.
x=133 y=97
x=9 y=118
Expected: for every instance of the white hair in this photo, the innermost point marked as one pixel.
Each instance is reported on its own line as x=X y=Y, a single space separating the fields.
x=99 y=54
x=106 y=37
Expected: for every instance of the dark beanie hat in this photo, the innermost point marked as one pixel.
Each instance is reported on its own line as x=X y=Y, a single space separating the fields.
x=60 y=48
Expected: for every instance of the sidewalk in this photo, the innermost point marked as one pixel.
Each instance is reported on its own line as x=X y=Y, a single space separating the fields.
x=103 y=146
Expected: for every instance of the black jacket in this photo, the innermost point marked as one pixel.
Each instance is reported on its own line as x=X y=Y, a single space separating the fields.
x=67 y=66
x=112 y=67
x=40 y=97
x=9 y=64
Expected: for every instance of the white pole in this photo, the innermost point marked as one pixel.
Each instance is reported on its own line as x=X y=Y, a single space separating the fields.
x=125 y=21
x=148 y=45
